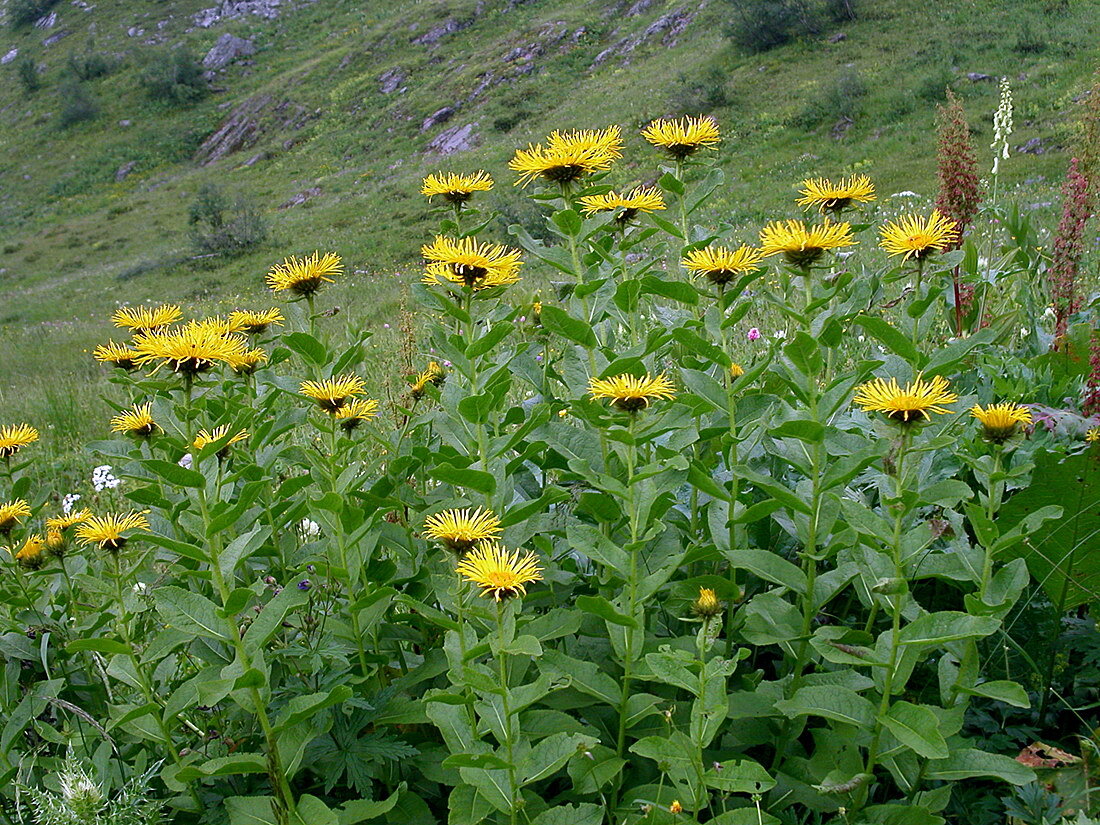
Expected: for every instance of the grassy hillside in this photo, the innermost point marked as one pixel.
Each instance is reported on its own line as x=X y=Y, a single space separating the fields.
x=76 y=242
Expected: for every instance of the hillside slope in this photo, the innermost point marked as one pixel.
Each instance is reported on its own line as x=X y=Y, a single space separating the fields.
x=343 y=106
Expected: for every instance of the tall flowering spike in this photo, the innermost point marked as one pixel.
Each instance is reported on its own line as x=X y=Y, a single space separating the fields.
x=916 y=237
x=959 y=193
x=1000 y=422
x=14 y=437
x=455 y=189
x=1088 y=140
x=111 y=531
x=803 y=245
x=720 y=265
x=905 y=406
x=11 y=513
x=829 y=196
x=497 y=572
x=304 y=276
x=333 y=393
x=1002 y=126
x=568 y=156
x=470 y=263
x=630 y=393
x=461 y=530
x=639 y=199
x=682 y=138
x=146 y=319
x=1091 y=403
x=1068 y=249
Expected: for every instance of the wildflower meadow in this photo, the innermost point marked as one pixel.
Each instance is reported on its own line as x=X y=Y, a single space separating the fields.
x=671 y=523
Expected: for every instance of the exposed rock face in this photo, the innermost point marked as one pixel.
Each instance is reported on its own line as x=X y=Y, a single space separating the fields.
x=437 y=117
x=249 y=122
x=455 y=139
x=47 y=22
x=1032 y=147
x=978 y=77
x=231 y=9
x=302 y=197
x=392 y=81
x=668 y=27
x=437 y=33
x=53 y=38
x=9 y=57
x=226 y=50
x=839 y=37
x=124 y=170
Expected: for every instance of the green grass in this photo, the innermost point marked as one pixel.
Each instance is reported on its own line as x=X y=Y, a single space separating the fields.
x=76 y=243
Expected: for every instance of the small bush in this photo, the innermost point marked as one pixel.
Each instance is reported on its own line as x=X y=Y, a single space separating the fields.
x=77 y=104
x=90 y=65
x=1029 y=41
x=704 y=92
x=841 y=99
x=760 y=25
x=932 y=88
x=841 y=10
x=224 y=225
x=27 y=72
x=25 y=12
x=173 y=77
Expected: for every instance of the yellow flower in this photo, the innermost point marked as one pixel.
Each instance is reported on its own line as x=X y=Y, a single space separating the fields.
x=15 y=437
x=146 y=319
x=333 y=393
x=675 y=807
x=1093 y=435
x=736 y=370
x=629 y=392
x=683 y=138
x=304 y=276
x=204 y=437
x=454 y=188
x=707 y=605
x=30 y=554
x=460 y=530
x=65 y=522
x=137 y=421
x=251 y=322
x=11 y=513
x=190 y=349
x=720 y=265
x=433 y=374
x=1001 y=421
x=108 y=531
x=835 y=197
x=247 y=362
x=470 y=263
x=497 y=572
x=917 y=237
x=568 y=156
x=639 y=199
x=353 y=414
x=55 y=542
x=801 y=244
x=918 y=398
x=117 y=355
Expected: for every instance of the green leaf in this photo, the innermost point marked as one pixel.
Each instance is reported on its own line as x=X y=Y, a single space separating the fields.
x=1001 y=690
x=917 y=728
x=306 y=346
x=189 y=611
x=482 y=761
x=477 y=480
x=680 y=291
x=559 y=322
x=265 y=625
x=744 y=776
x=969 y=763
x=584 y=813
x=890 y=337
x=936 y=629
x=805 y=354
x=250 y=810
x=697 y=345
x=476 y=408
x=173 y=473
x=236 y=602
x=360 y=810
x=109 y=646
x=551 y=754
x=831 y=702
x=238 y=763
x=568 y=221
x=312 y=811
x=669 y=227
x=670 y=183
x=599 y=606
x=768 y=566
x=490 y=339
x=673 y=668
x=301 y=708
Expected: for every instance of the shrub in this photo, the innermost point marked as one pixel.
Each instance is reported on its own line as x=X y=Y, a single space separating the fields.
x=703 y=92
x=77 y=104
x=90 y=65
x=1029 y=41
x=26 y=69
x=173 y=77
x=25 y=12
x=842 y=98
x=932 y=88
x=224 y=225
x=760 y=25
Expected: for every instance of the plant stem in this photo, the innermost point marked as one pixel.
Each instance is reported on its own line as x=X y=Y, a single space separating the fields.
x=502 y=666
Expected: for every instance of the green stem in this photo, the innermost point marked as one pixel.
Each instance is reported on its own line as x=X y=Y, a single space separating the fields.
x=342 y=547
x=502 y=666
x=632 y=588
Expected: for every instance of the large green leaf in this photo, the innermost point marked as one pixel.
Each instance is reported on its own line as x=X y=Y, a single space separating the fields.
x=831 y=702
x=189 y=611
x=969 y=763
x=917 y=728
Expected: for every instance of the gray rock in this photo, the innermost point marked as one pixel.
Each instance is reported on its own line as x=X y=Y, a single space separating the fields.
x=455 y=139
x=437 y=117
x=125 y=124
x=227 y=49
x=248 y=123
x=1032 y=147
x=124 y=170
x=54 y=38
x=978 y=77
x=135 y=31
x=233 y=9
x=668 y=26
x=838 y=37
x=9 y=57
x=638 y=8
x=1041 y=205
x=47 y=22
x=252 y=161
x=302 y=197
x=437 y=33
x=392 y=81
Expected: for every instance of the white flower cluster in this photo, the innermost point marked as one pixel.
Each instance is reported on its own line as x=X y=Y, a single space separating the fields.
x=103 y=479
x=309 y=529
x=67 y=502
x=1002 y=126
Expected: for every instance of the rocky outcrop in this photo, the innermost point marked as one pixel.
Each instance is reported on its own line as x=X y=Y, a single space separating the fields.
x=437 y=117
x=301 y=197
x=392 y=81
x=53 y=38
x=668 y=27
x=455 y=139
x=437 y=33
x=226 y=50
x=233 y=9
x=248 y=123
x=124 y=170
x=9 y=57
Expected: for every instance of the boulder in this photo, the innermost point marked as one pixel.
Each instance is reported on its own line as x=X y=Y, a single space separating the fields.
x=437 y=33
x=227 y=49
x=9 y=57
x=124 y=170
x=437 y=117
x=839 y=37
x=47 y=22
x=1032 y=147
x=978 y=77
x=455 y=139
x=392 y=81
x=53 y=38
x=135 y=31
x=302 y=197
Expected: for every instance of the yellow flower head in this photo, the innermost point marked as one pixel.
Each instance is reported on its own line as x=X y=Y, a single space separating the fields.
x=460 y=530
x=14 y=437
x=304 y=276
x=109 y=531
x=189 y=350
x=137 y=421
x=629 y=392
x=916 y=237
x=1001 y=421
x=835 y=197
x=11 y=513
x=470 y=263
x=247 y=362
x=333 y=393
x=251 y=322
x=707 y=605
x=65 y=522
x=117 y=355
x=146 y=319
x=736 y=370
x=497 y=572
x=918 y=398
x=683 y=138
x=456 y=189
x=353 y=414
x=720 y=265
x=31 y=554
x=56 y=542
x=800 y=244
x=639 y=199
x=433 y=374
x=568 y=156
x=1093 y=435
x=204 y=437
x=676 y=807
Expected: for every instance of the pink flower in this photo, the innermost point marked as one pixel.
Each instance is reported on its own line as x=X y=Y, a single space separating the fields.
x=754 y=334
